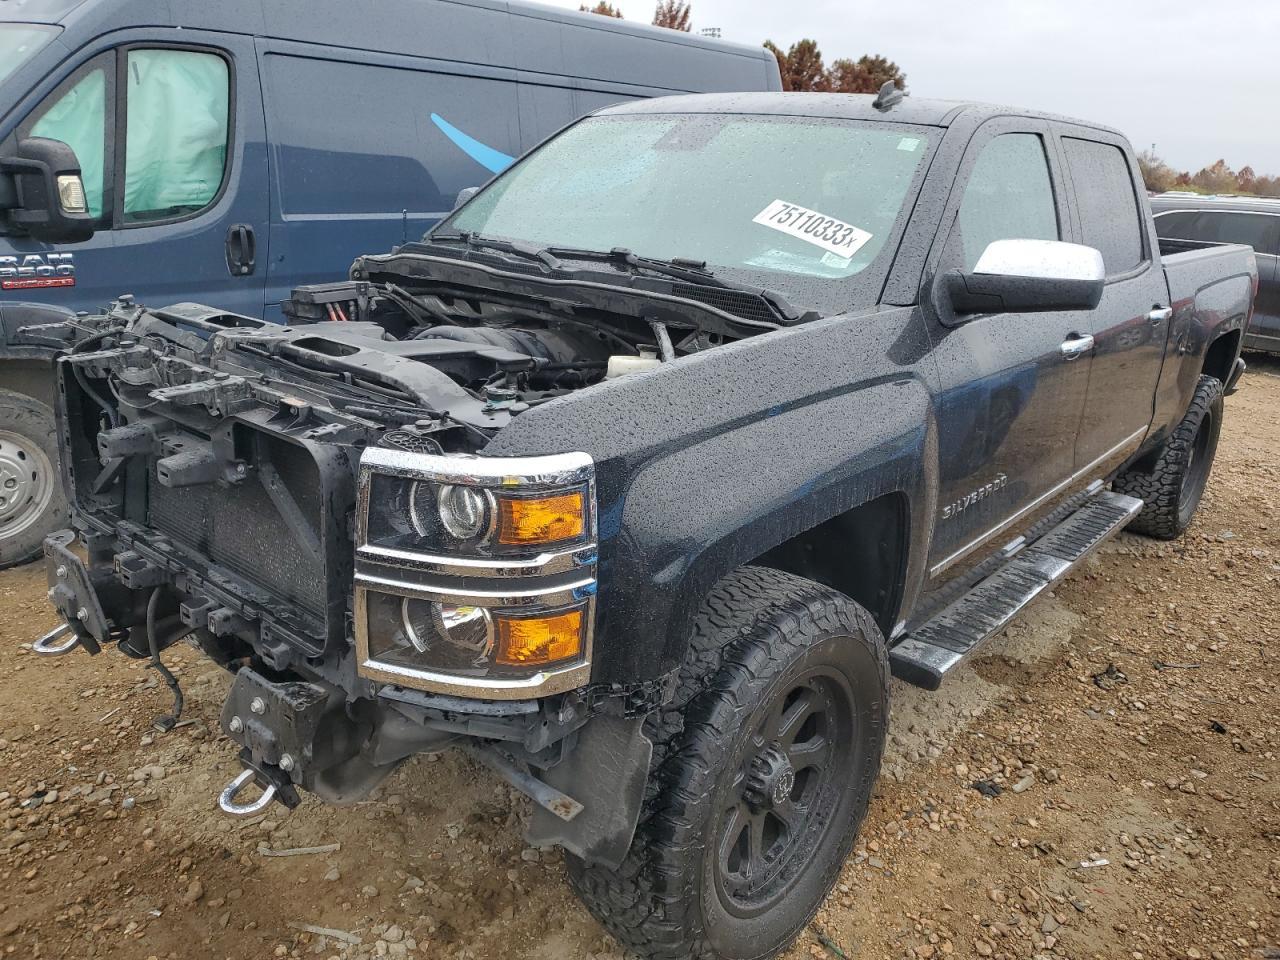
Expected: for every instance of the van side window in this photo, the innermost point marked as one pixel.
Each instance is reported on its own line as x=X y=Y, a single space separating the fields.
x=1258 y=230
x=176 y=133
x=78 y=113
x=1108 y=206
x=1009 y=196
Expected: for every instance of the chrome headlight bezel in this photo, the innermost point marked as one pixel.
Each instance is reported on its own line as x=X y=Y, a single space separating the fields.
x=511 y=583
x=405 y=499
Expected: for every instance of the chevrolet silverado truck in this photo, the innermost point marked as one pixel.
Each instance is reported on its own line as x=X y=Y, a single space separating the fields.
x=639 y=476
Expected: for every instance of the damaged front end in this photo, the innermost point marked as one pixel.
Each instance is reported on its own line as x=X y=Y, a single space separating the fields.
x=308 y=507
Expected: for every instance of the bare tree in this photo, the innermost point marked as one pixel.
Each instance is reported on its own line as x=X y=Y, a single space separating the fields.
x=1217 y=178
x=603 y=8
x=673 y=15
x=1156 y=174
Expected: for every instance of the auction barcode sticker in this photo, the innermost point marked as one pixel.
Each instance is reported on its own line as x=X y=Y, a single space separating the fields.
x=835 y=236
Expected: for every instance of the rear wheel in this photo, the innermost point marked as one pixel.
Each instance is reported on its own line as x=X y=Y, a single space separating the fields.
x=31 y=500
x=1174 y=487
x=764 y=764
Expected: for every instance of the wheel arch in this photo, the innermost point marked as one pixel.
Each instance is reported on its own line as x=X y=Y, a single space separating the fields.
x=30 y=377
x=861 y=553
x=1220 y=357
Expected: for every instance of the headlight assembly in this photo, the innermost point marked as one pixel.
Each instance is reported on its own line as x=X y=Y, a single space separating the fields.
x=476 y=576
x=436 y=516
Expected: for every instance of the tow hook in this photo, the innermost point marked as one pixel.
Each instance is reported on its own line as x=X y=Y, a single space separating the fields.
x=227 y=799
x=47 y=646
x=275 y=783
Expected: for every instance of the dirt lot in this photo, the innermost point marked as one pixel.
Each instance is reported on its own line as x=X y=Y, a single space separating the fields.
x=1128 y=731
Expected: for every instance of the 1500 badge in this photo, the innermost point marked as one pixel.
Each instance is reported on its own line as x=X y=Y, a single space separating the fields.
x=969 y=499
x=34 y=271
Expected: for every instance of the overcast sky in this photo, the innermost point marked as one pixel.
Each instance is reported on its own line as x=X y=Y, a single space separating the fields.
x=1198 y=78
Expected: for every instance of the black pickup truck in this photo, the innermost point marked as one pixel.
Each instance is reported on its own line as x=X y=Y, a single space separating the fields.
x=639 y=476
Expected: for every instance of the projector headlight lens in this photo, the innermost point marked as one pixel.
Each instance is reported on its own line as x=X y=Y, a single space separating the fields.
x=429 y=624
x=465 y=513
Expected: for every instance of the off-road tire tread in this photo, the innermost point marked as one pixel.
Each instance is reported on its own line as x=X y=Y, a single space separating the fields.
x=29 y=416
x=1161 y=489
x=753 y=616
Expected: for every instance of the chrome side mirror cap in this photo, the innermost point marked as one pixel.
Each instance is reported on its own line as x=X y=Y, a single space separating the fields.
x=1042 y=260
x=1028 y=276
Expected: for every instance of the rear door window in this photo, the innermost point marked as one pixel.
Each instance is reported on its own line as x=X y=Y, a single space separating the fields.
x=1108 y=204
x=1009 y=196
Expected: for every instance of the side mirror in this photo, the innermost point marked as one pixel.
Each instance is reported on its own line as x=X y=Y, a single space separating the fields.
x=464 y=196
x=47 y=199
x=1023 y=276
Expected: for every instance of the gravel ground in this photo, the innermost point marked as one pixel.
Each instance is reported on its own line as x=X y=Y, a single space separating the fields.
x=1101 y=783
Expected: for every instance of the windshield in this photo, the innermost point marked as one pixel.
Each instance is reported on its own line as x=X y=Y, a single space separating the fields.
x=19 y=43
x=800 y=205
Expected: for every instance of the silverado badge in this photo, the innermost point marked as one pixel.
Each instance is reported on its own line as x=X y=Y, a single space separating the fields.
x=952 y=510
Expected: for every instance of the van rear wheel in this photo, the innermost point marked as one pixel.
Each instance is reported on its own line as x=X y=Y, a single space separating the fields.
x=31 y=500
x=764 y=764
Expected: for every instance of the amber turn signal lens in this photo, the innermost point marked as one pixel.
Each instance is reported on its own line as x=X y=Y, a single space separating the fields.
x=533 y=520
x=535 y=641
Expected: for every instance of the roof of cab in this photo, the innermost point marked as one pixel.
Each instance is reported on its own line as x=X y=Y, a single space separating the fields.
x=837 y=106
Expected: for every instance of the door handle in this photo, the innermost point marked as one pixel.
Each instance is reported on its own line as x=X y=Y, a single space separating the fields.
x=1075 y=346
x=1160 y=315
x=241 y=250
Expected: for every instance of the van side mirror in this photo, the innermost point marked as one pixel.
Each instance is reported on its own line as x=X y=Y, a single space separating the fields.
x=1017 y=276
x=464 y=196
x=45 y=194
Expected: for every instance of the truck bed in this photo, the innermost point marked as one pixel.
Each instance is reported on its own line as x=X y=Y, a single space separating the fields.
x=1195 y=267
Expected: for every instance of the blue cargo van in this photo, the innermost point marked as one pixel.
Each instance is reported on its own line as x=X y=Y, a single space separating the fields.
x=231 y=151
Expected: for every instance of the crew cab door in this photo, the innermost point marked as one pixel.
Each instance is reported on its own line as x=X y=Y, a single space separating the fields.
x=1013 y=384
x=1131 y=325
x=169 y=138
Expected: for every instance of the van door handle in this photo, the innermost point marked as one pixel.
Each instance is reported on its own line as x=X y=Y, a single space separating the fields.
x=1075 y=346
x=1159 y=315
x=241 y=250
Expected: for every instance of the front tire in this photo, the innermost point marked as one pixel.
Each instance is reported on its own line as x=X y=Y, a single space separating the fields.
x=1174 y=487
x=32 y=504
x=764 y=764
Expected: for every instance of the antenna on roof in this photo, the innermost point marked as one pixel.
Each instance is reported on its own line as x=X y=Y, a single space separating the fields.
x=889 y=96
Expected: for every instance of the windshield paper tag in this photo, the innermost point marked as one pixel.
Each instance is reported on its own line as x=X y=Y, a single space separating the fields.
x=834 y=236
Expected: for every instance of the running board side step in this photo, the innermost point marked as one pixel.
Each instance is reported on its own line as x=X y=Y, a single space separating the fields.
x=926 y=656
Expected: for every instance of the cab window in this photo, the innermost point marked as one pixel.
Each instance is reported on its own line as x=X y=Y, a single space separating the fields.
x=172 y=132
x=175 y=147
x=79 y=113
x=1009 y=196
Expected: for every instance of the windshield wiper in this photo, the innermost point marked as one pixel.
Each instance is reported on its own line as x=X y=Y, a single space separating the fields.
x=678 y=268
x=687 y=270
x=528 y=251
